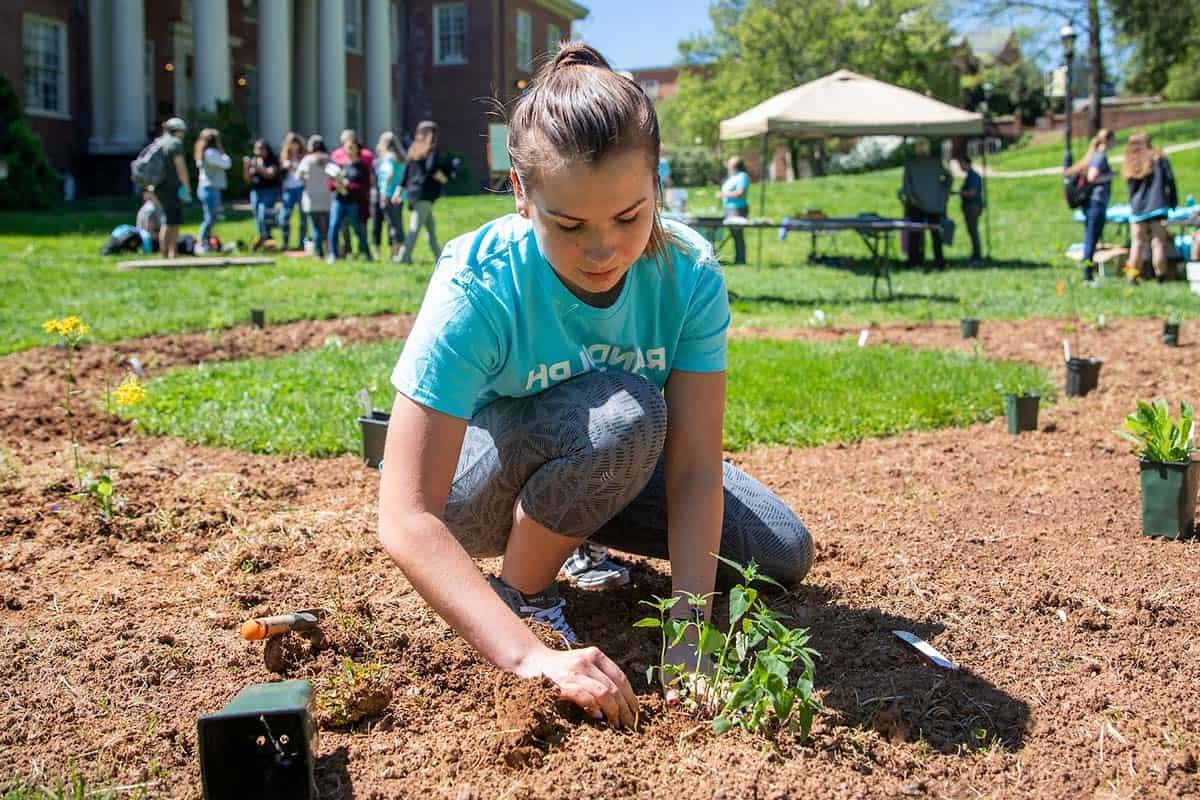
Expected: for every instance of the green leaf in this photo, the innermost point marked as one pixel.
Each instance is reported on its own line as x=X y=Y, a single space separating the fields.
x=711 y=639
x=650 y=675
x=721 y=725
x=648 y=622
x=741 y=600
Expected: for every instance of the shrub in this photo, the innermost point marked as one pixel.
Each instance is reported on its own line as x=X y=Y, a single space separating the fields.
x=31 y=182
x=694 y=166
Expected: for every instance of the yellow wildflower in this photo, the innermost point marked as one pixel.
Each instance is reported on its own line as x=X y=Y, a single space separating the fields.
x=130 y=392
x=1058 y=290
x=71 y=328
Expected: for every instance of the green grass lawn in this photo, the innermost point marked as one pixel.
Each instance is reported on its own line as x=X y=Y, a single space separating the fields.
x=50 y=267
x=1051 y=154
x=795 y=393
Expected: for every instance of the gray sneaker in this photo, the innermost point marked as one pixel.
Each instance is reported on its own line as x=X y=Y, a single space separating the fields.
x=591 y=568
x=545 y=606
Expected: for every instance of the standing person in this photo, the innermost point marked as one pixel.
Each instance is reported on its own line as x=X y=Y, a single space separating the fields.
x=971 y=195
x=1152 y=195
x=262 y=172
x=924 y=192
x=175 y=189
x=426 y=171
x=530 y=414
x=664 y=176
x=389 y=204
x=316 y=198
x=212 y=165
x=290 y=155
x=340 y=159
x=735 y=192
x=352 y=191
x=1097 y=172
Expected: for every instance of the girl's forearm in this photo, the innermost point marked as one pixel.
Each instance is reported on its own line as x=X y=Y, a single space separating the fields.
x=696 y=506
x=445 y=576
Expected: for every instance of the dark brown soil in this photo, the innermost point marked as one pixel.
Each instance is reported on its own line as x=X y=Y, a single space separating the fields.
x=1021 y=558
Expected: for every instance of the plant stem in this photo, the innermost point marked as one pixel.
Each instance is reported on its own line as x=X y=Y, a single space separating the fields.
x=71 y=414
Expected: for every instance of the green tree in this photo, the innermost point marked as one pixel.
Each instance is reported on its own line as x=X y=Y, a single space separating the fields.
x=761 y=47
x=1164 y=41
x=31 y=181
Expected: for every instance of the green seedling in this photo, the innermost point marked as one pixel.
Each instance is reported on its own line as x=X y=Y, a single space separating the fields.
x=1156 y=437
x=99 y=489
x=752 y=683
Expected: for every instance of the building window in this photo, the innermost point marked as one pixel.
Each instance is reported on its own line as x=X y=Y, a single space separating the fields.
x=450 y=33
x=354 y=111
x=650 y=87
x=354 y=30
x=524 y=41
x=553 y=37
x=45 y=42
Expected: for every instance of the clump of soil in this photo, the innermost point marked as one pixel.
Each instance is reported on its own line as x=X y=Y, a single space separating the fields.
x=355 y=692
x=529 y=719
x=289 y=651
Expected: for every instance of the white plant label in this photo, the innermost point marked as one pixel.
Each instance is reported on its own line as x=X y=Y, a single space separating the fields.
x=926 y=649
x=364 y=397
x=1066 y=350
x=862 y=337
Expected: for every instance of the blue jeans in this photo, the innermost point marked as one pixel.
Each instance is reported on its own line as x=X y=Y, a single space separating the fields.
x=1093 y=226
x=291 y=199
x=210 y=202
x=263 y=201
x=342 y=213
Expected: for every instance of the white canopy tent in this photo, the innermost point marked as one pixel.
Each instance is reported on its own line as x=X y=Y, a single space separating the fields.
x=844 y=104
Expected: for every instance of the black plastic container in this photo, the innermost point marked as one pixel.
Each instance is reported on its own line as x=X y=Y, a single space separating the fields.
x=1021 y=411
x=970 y=327
x=1170 y=335
x=374 y=433
x=258 y=317
x=1169 y=498
x=1083 y=375
x=261 y=745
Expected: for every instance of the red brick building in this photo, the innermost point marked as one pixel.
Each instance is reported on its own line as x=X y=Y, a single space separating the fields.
x=659 y=83
x=99 y=76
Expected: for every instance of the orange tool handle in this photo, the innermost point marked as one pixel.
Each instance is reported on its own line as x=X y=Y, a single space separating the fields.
x=254 y=630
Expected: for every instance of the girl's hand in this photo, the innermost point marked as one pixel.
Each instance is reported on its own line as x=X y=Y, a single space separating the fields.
x=588 y=679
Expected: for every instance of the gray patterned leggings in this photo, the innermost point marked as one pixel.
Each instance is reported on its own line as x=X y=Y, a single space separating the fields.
x=585 y=460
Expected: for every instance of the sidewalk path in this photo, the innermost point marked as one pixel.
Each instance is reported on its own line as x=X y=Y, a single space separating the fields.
x=1029 y=173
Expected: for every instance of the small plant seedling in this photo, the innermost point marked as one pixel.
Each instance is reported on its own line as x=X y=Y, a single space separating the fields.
x=99 y=489
x=751 y=685
x=1156 y=437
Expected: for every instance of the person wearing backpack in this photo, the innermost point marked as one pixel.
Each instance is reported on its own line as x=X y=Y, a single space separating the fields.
x=161 y=170
x=1098 y=175
x=1152 y=195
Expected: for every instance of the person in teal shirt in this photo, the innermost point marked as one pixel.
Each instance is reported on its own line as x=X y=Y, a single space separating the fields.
x=535 y=388
x=735 y=192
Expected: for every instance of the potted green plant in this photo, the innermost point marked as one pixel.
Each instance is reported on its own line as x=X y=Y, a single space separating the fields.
x=374 y=425
x=1083 y=374
x=1170 y=334
x=1169 y=475
x=969 y=322
x=1021 y=411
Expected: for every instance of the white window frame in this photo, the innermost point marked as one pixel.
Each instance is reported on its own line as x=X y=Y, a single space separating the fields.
x=650 y=86
x=523 y=33
x=64 y=83
x=553 y=37
x=354 y=9
x=441 y=59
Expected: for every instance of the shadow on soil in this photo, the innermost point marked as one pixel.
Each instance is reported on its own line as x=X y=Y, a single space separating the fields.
x=332 y=773
x=869 y=678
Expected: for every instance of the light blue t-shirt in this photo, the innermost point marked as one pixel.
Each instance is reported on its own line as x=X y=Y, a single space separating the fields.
x=736 y=181
x=387 y=175
x=497 y=320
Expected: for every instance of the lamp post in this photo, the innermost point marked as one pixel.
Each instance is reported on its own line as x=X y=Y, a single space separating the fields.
x=1068 y=34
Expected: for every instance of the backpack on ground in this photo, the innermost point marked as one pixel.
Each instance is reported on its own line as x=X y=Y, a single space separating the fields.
x=1077 y=190
x=124 y=239
x=150 y=166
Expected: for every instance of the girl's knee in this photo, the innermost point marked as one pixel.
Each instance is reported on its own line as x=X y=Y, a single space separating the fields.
x=623 y=410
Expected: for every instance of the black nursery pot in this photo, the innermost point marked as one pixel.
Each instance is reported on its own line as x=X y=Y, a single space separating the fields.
x=374 y=433
x=1021 y=411
x=258 y=317
x=1083 y=375
x=1170 y=335
x=970 y=327
x=1169 y=498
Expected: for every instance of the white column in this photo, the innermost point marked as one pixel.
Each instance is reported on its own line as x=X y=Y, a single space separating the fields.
x=210 y=26
x=274 y=69
x=332 y=68
x=306 y=99
x=128 y=35
x=379 y=70
x=99 y=31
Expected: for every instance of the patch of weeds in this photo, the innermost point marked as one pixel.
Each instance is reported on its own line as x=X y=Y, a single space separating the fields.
x=356 y=691
x=10 y=468
x=751 y=685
